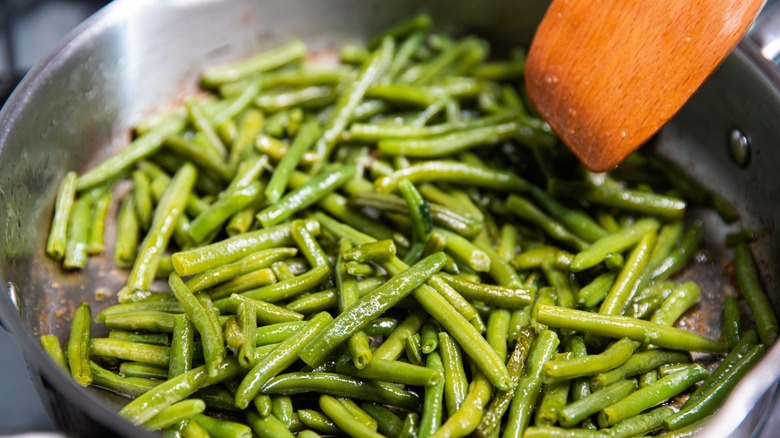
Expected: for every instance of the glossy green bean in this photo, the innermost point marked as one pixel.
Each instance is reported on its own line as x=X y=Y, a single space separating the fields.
x=251 y=280
x=624 y=327
x=456 y=173
x=614 y=356
x=391 y=371
x=529 y=212
x=639 y=363
x=590 y=295
x=66 y=195
x=126 y=242
x=344 y=419
x=732 y=321
x=577 y=411
x=219 y=428
x=209 y=161
x=268 y=426
x=681 y=254
x=282 y=357
x=649 y=396
x=285 y=289
x=175 y=413
x=133 y=351
x=221 y=210
x=148 y=320
x=182 y=346
x=495 y=295
x=79 y=344
x=553 y=399
x=617 y=242
x=78 y=234
x=751 y=290
x=388 y=422
x=51 y=345
x=125 y=386
x=259 y=63
x=627 y=282
x=97 y=226
x=682 y=299
x=433 y=403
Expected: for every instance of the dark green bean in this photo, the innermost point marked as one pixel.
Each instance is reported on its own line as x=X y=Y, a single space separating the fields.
x=751 y=290
x=388 y=422
x=732 y=321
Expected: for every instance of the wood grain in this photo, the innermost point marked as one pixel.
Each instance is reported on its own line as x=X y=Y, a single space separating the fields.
x=607 y=74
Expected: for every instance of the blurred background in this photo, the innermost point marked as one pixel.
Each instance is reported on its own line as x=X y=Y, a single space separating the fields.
x=29 y=30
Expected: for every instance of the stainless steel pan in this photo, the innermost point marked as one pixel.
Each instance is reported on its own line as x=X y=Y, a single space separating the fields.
x=137 y=56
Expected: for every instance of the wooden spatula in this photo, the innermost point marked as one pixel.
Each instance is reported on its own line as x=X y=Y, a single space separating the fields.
x=607 y=74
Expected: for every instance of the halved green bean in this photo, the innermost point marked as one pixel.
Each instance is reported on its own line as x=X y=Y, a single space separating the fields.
x=649 y=396
x=614 y=326
x=169 y=209
x=750 y=288
x=143 y=146
x=339 y=385
x=79 y=344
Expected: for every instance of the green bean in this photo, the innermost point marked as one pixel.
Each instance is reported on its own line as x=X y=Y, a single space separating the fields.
x=174 y=413
x=710 y=399
x=259 y=63
x=420 y=216
x=358 y=413
x=368 y=307
x=220 y=211
x=142 y=196
x=665 y=207
x=124 y=386
x=158 y=398
x=166 y=215
x=530 y=383
x=126 y=242
x=197 y=117
x=77 y=234
x=639 y=363
x=401 y=94
x=391 y=371
x=307 y=194
x=529 y=212
x=274 y=333
x=466 y=419
x=219 y=428
x=393 y=346
x=388 y=422
x=345 y=105
x=751 y=290
x=79 y=344
x=495 y=295
x=433 y=404
x=213 y=341
x=284 y=289
x=454 y=172
x=649 y=396
x=413 y=349
x=251 y=280
x=624 y=327
x=464 y=250
x=577 y=411
x=193 y=429
x=282 y=409
x=627 y=282
x=207 y=160
x=309 y=132
x=420 y=22
x=732 y=321
x=375 y=251
x=182 y=346
x=447 y=144
x=617 y=242
x=247 y=320
x=339 y=385
x=561 y=282
x=681 y=254
x=680 y=301
x=231 y=249
x=268 y=426
x=500 y=271
x=126 y=350
x=249 y=127
x=148 y=320
x=66 y=195
x=614 y=356
x=51 y=345
x=143 y=146
x=311 y=97
x=491 y=419
x=594 y=292
x=641 y=424
x=319 y=301
x=97 y=226
x=282 y=357
x=429 y=337
x=410 y=426
x=533 y=257
x=553 y=399
x=371 y=132
x=344 y=419
x=404 y=54
x=558 y=432
x=318 y=421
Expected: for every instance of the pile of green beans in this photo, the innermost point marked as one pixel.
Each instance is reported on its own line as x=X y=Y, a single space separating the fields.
x=393 y=246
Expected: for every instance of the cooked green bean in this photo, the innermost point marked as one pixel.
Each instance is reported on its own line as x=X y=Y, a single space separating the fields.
x=97 y=226
x=339 y=385
x=143 y=198
x=464 y=250
x=284 y=289
x=750 y=288
x=732 y=321
x=219 y=428
x=259 y=63
x=577 y=411
x=374 y=251
x=649 y=396
x=124 y=386
x=66 y=195
x=529 y=212
x=79 y=344
x=530 y=383
x=126 y=350
x=429 y=337
x=233 y=248
x=639 y=363
x=282 y=357
x=318 y=421
x=454 y=172
x=147 y=320
x=391 y=371
x=142 y=147
x=174 y=413
x=344 y=419
x=221 y=210
x=433 y=404
x=268 y=426
x=307 y=135
x=169 y=209
x=251 y=280
x=593 y=293
x=680 y=301
x=617 y=242
x=627 y=281
x=78 y=234
x=553 y=399
x=182 y=346
x=614 y=356
x=126 y=242
x=625 y=327
x=388 y=422
x=51 y=344
x=681 y=254
x=495 y=295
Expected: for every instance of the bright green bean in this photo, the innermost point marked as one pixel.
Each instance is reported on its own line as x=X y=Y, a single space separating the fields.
x=66 y=195
x=454 y=172
x=617 y=242
x=79 y=344
x=750 y=288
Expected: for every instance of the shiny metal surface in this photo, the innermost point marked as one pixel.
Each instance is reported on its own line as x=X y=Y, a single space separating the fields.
x=137 y=56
